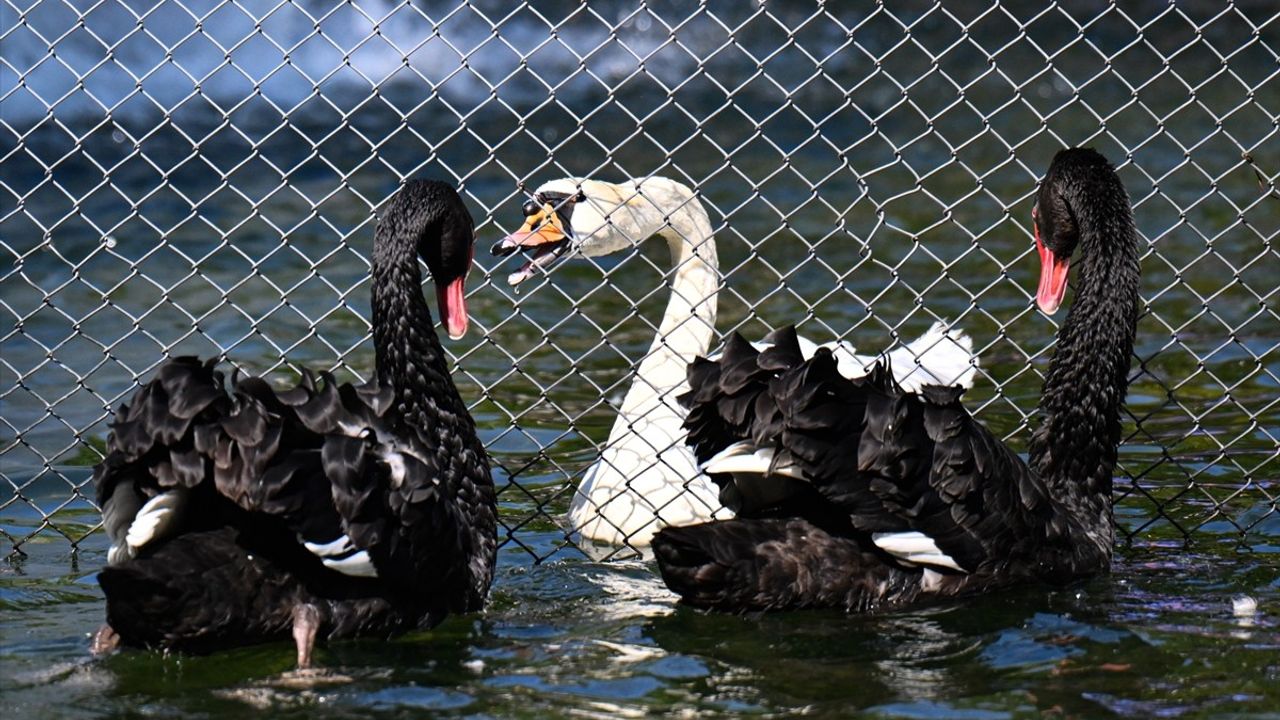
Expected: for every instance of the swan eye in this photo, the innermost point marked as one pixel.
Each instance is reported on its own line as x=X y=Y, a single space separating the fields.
x=560 y=203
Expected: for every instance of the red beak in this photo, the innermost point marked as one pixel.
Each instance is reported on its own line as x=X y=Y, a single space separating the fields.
x=453 y=307
x=1053 y=277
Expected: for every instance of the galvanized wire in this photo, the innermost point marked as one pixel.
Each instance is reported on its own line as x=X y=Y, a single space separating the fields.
x=164 y=162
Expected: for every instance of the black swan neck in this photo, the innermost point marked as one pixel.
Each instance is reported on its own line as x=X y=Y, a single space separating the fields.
x=407 y=352
x=1074 y=449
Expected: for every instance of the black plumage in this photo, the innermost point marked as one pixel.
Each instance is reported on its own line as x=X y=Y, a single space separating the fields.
x=243 y=514
x=856 y=494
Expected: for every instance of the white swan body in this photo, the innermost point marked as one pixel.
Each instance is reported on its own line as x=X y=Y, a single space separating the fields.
x=646 y=477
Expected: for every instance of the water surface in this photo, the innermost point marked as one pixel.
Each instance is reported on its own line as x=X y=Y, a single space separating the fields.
x=1156 y=638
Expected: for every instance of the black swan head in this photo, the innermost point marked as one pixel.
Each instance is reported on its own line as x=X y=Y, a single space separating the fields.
x=1056 y=236
x=426 y=217
x=1081 y=191
x=1082 y=208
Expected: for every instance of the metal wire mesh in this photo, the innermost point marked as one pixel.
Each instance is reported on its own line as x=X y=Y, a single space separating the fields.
x=203 y=176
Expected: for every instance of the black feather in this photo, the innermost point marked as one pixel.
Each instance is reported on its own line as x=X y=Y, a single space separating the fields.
x=876 y=459
x=395 y=466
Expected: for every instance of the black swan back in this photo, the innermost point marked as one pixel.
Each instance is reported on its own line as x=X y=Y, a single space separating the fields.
x=856 y=494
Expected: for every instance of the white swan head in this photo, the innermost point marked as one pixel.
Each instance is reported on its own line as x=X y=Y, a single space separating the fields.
x=590 y=218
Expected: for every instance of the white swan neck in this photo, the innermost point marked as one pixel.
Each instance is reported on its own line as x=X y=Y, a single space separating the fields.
x=688 y=323
x=646 y=476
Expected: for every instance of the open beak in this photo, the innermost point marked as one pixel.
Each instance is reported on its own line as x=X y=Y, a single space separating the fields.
x=544 y=235
x=1053 y=276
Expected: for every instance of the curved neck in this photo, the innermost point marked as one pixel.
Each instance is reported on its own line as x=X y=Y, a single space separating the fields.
x=410 y=360
x=688 y=323
x=1074 y=449
x=407 y=353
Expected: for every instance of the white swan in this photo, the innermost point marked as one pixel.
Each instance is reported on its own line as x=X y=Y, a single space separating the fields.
x=646 y=477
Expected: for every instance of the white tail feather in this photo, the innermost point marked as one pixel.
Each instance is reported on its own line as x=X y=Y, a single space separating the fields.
x=341 y=555
x=154 y=520
x=117 y=554
x=357 y=565
x=905 y=543
x=915 y=548
x=937 y=560
x=341 y=546
x=744 y=457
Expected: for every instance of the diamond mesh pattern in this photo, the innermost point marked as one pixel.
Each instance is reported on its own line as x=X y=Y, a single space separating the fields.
x=203 y=176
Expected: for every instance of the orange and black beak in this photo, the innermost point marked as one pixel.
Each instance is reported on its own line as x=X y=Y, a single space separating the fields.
x=1053 y=272
x=545 y=233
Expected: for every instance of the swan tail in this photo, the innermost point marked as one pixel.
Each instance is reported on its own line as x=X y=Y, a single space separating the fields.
x=152 y=461
x=772 y=564
x=184 y=454
x=199 y=592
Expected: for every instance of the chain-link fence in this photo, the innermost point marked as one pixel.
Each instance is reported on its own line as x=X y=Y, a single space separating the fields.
x=203 y=176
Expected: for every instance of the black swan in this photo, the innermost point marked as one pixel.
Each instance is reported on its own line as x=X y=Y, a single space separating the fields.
x=854 y=494
x=247 y=515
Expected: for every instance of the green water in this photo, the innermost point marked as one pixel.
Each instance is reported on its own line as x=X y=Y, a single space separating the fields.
x=1156 y=638
x=862 y=215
